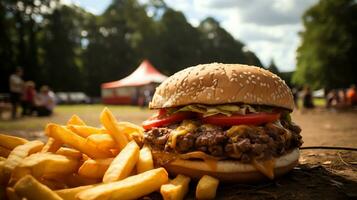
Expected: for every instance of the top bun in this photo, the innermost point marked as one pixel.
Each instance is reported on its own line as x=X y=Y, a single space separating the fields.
x=218 y=83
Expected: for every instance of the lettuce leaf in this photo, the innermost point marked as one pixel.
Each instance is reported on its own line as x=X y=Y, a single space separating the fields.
x=225 y=109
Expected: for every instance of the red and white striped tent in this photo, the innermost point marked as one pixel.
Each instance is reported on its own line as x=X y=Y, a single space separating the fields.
x=129 y=89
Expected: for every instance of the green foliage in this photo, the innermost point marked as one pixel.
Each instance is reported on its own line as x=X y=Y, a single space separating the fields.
x=327 y=56
x=71 y=49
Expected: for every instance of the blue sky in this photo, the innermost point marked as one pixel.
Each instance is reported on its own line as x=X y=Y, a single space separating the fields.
x=267 y=27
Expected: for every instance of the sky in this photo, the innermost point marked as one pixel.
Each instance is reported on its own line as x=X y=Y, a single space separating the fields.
x=269 y=28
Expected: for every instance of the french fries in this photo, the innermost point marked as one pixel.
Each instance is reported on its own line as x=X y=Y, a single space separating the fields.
x=76 y=120
x=70 y=193
x=123 y=163
x=130 y=129
x=31 y=189
x=110 y=123
x=95 y=168
x=68 y=137
x=4 y=152
x=132 y=187
x=176 y=189
x=84 y=162
x=45 y=165
x=145 y=161
x=17 y=155
x=10 y=142
x=51 y=145
x=72 y=153
x=102 y=141
x=207 y=187
x=85 y=131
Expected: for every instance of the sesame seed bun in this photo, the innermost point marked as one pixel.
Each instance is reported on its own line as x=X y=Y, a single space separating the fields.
x=218 y=83
x=232 y=170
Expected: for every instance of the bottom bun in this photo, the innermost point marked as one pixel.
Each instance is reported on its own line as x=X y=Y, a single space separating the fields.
x=230 y=170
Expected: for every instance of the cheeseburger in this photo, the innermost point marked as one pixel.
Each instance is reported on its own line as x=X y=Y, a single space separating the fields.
x=229 y=121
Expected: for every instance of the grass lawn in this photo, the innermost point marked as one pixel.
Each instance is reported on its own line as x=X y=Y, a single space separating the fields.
x=89 y=113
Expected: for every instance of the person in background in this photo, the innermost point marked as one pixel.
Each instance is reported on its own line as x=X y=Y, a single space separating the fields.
x=307 y=98
x=332 y=99
x=342 y=100
x=16 y=89
x=295 y=92
x=45 y=101
x=28 y=98
x=351 y=95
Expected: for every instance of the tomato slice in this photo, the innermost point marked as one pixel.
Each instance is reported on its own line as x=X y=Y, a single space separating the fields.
x=158 y=120
x=249 y=119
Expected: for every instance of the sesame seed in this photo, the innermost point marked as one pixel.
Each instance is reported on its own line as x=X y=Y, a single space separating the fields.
x=247 y=82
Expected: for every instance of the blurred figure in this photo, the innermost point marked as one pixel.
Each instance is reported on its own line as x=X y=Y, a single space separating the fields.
x=307 y=98
x=16 y=88
x=45 y=102
x=342 y=100
x=351 y=95
x=295 y=92
x=332 y=99
x=28 y=98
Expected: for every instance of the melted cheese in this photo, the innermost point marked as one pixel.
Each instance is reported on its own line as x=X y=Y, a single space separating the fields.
x=185 y=127
x=265 y=167
x=173 y=137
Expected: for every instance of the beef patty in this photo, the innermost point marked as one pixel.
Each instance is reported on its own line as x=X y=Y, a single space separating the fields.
x=244 y=143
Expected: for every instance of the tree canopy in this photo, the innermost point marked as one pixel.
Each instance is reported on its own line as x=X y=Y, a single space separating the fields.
x=71 y=49
x=327 y=57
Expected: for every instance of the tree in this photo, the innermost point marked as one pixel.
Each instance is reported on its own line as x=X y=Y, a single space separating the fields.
x=327 y=55
x=273 y=68
x=62 y=48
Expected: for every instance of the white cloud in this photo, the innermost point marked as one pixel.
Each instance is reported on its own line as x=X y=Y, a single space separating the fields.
x=268 y=27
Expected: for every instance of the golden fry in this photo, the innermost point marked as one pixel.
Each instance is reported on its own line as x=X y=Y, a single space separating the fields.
x=45 y=165
x=145 y=161
x=18 y=154
x=70 y=193
x=68 y=137
x=10 y=142
x=123 y=163
x=51 y=145
x=132 y=187
x=76 y=120
x=110 y=123
x=4 y=152
x=95 y=168
x=130 y=129
x=31 y=189
x=69 y=152
x=85 y=131
x=103 y=141
x=176 y=189
x=207 y=187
